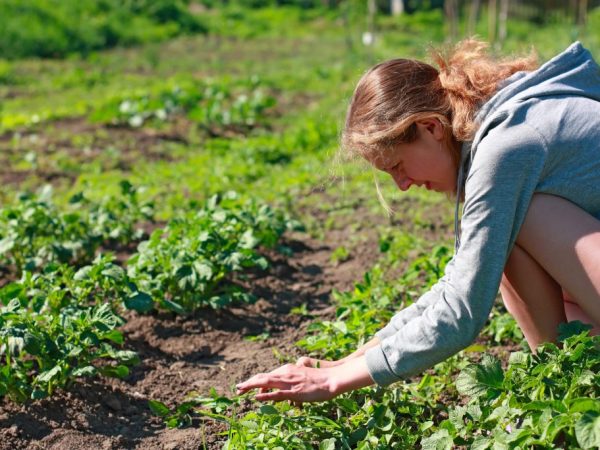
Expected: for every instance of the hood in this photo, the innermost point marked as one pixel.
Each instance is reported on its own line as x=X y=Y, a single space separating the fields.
x=572 y=72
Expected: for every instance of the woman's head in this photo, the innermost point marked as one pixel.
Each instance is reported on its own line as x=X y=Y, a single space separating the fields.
x=394 y=97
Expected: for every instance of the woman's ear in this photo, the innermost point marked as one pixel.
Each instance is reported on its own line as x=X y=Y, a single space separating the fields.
x=433 y=126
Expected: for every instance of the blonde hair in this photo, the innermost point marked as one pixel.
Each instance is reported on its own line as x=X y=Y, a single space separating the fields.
x=395 y=94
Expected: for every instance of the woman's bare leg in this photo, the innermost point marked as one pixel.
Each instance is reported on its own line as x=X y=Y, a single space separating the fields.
x=558 y=248
x=532 y=297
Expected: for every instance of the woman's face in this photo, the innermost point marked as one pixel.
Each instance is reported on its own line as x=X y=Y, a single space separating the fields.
x=424 y=162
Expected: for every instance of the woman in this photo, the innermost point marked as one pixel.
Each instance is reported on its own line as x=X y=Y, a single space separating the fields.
x=521 y=147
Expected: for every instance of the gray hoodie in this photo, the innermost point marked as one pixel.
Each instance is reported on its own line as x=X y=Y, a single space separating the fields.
x=539 y=133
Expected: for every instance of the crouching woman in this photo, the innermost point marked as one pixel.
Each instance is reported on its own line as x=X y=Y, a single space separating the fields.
x=519 y=146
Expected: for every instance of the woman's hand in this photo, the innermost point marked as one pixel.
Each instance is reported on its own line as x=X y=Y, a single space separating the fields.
x=300 y=383
x=294 y=382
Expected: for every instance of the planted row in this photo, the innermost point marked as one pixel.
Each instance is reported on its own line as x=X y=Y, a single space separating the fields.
x=62 y=324
x=541 y=400
x=189 y=263
x=214 y=106
x=35 y=232
x=366 y=418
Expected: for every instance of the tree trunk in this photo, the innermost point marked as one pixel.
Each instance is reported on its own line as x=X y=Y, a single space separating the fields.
x=473 y=16
x=347 y=27
x=451 y=11
x=369 y=36
x=503 y=19
x=492 y=20
x=582 y=12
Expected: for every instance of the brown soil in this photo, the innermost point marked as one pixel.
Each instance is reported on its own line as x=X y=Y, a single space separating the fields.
x=183 y=354
x=63 y=146
x=79 y=142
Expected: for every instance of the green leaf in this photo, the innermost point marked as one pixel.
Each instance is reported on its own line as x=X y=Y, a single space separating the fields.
x=173 y=422
x=15 y=344
x=203 y=270
x=6 y=245
x=481 y=443
x=587 y=430
x=10 y=291
x=32 y=344
x=269 y=410
x=115 y=272
x=248 y=239
x=82 y=273
x=566 y=330
x=584 y=404
x=127 y=357
x=172 y=306
x=518 y=358
x=119 y=371
x=47 y=376
x=475 y=348
x=38 y=394
x=158 y=408
x=262 y=263
x=476 y=380
x=140 y=302
x=327 y=444
x=87 y=371
x=114 y=335
x=440 y=440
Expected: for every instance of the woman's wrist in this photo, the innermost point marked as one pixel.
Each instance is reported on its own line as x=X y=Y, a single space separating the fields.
x=362 y=350
x=353 y=374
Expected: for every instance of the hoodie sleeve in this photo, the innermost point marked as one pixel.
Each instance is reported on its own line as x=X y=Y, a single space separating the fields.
x=503 y=177
x=414 y=310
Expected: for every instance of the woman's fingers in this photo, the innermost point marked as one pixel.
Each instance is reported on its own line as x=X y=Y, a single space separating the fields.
x=264 y=381
x=278 y=396
x=304 y=361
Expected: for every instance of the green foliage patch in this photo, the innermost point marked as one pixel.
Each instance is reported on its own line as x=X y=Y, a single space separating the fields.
x=35 y=232
x=216 y=107
x=541 y=400
x=56 y=28
x=184 y=265
x=62 y=324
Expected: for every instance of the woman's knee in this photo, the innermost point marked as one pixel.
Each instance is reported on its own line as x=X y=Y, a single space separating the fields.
x=565 y=241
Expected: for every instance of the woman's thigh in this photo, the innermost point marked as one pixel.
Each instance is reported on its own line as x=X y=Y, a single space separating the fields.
x=574 y=312
x=565 y=241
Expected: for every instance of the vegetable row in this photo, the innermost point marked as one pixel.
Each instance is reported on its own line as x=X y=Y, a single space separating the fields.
x=61 y=319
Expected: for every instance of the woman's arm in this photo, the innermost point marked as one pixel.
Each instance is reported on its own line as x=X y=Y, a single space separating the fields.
x=306 y=361
x=307 y=384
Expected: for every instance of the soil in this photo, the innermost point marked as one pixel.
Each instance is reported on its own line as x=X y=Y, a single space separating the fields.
x=179 y=354
x=209 y=349
x=112 y=147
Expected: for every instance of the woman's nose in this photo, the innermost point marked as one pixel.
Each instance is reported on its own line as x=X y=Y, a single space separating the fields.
x=403 y=182
x=406 y=184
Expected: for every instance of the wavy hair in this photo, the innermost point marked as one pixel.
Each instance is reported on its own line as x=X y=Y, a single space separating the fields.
x=393 y=95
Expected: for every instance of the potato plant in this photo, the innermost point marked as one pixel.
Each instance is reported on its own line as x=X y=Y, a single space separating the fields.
x=34 y=231
x=547 y=400
x=369 y=418
x=184 y=266
x=214 y=106
x=541 y=400
x=63 y=324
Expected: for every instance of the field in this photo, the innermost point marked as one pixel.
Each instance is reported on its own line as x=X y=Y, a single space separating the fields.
x=174 y=220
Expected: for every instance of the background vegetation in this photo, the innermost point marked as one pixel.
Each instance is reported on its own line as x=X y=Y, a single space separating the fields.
x=141 y=117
